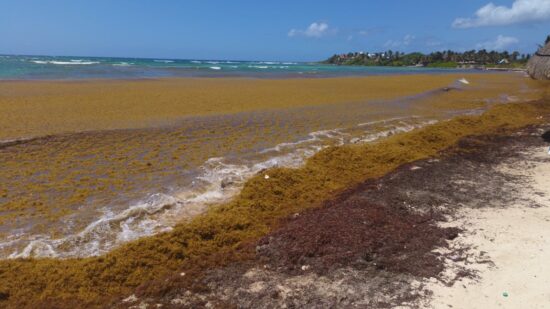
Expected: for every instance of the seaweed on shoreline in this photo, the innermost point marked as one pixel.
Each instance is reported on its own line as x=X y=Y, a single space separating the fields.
x=212 y=239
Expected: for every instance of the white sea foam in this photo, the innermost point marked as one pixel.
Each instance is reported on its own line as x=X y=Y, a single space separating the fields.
x=74 y=62
x=215 y=68
x=163 y=61
x=196 y=61
x=71 y=62
x=258 y=66
x=123 y=64
x=399 y=128
x=218 y=182
x=375 y=122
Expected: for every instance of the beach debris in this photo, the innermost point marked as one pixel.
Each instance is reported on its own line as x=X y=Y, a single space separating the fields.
x=505 y=294
x=549 y=150
x=305 y=267
x=464 y=81
x=414 y=168
x=130 y=299
x=182 y=274
x=266 y=176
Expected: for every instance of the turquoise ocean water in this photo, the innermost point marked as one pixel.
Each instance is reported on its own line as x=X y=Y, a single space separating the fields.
x=17 y=67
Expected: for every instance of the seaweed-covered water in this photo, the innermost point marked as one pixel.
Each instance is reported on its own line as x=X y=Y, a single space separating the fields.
x=82 y=194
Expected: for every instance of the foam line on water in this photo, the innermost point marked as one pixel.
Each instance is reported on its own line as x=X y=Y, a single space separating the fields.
x=218 y=180
x=71 y=62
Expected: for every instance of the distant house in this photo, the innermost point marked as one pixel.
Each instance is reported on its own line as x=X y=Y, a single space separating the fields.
x=504 y=61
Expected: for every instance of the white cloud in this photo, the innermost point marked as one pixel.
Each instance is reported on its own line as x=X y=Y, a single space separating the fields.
x=315 y=30
x=406 y=41
x=500 y=43
x=522 y=11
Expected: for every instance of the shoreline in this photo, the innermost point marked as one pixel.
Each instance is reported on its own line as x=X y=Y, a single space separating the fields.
x=148 y=179
x=210 y=240
x=440 y=233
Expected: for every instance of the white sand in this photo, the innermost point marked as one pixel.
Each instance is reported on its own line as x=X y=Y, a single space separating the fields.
x=514 y=243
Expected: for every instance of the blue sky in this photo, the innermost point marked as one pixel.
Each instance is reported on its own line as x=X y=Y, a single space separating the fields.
x=266 y=30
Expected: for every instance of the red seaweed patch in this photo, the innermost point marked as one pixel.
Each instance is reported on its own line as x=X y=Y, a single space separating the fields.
x=354 y=232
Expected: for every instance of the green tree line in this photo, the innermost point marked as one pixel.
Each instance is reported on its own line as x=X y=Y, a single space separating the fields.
x=446 y=58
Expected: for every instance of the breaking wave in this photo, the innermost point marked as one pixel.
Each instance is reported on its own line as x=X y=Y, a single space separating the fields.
x=71 y=62
x=123 y=64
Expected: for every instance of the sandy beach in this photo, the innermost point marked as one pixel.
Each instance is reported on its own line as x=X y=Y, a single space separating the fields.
x=507 y=244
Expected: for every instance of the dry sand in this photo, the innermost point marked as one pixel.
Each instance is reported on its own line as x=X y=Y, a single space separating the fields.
x=509 y=247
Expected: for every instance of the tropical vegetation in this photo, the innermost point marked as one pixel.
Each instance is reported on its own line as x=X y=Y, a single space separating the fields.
x=448 y=58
